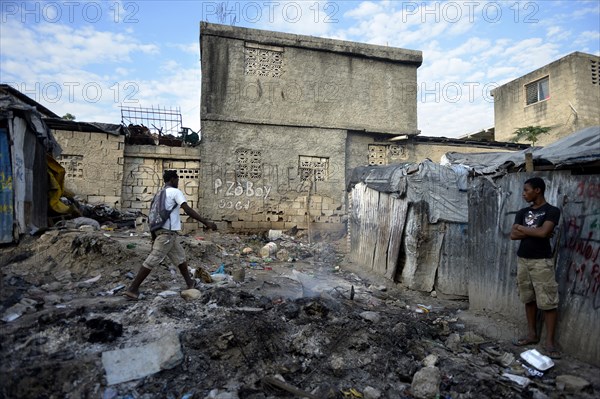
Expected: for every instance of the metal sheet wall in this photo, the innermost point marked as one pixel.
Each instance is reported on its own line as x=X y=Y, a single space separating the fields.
x=492 y=255
x=6 y=190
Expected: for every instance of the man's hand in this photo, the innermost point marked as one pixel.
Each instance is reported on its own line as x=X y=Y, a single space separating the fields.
x=211 y=225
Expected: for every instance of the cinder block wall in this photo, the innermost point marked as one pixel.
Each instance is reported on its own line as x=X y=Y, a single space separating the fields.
x=142 y=176
x=94 y=165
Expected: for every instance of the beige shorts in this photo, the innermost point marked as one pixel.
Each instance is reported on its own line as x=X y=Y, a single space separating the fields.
x=537 y=282
x=165 y=245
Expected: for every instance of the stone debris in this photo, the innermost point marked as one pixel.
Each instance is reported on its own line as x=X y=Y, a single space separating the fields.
x=426 y=383
x=571 y=383
x=134 y=363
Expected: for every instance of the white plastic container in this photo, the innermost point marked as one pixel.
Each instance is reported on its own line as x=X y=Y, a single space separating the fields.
x=537 y=360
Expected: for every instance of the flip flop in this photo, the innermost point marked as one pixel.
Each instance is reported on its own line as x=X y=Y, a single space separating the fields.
x=131 y=296
x=524 y=341
x=553 y=353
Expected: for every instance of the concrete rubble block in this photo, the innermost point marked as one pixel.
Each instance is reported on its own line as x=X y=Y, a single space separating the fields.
x=453 y=342
x=430 y=360
x=191 y=294
x=472 y=338
x=426 y=383
x=371 y=316
x=137 y=362
x=371 y=393
x=571 y=383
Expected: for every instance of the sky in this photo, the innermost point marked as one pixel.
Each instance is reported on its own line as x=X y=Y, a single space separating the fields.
x=89 y=58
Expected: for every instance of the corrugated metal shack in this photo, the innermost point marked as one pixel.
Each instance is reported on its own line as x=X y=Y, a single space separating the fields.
x=405 y=221
x=571 y=169
x=24 y=142
x=418 y=225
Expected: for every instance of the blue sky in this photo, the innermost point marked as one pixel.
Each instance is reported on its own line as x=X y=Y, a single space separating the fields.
x=89 y=57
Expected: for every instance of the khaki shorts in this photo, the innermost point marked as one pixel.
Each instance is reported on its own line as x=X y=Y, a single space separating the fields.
x=537 y=282
x=165 y=245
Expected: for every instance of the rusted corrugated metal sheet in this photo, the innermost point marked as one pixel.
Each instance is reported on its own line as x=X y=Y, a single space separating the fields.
x=492 y=255
x=453 y=273
x=376 y=226
x=421 y=248
x=6 y=190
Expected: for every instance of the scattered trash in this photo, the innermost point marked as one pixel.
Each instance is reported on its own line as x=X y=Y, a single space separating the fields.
x=522 y=381
x=537 y=360
x=131 y=245
x=268 y=250
x=423 y=308
x=167 y=293
x=220 y=270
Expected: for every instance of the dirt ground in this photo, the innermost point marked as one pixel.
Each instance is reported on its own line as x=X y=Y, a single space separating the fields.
x=308 y=324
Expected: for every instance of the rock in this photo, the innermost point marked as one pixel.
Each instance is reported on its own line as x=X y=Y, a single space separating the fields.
x=137 y=362
x=86 y=228
x=247 y=250
x=283 y=255
x=426 y=383
x=571 y=383
x=191 y=294
x=51 y=299
x=371 y=316
x=371 y=393
x=430 y=360
x=399 y=329
x=453 y=342
x=221 y=394
x=471 y=338
x=268 y=250
x=537 y=394
x=433 y=294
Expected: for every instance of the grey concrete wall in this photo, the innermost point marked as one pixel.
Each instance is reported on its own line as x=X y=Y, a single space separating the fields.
x=492 y=255
x=573 y=104
x=307 y=81
x=273 y=196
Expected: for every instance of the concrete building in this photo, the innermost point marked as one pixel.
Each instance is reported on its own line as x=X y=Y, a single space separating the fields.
x=563 y=95
x=284 y=117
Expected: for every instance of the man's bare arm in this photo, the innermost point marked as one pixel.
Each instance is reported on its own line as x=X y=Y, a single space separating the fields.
x=189 y=211
x=544 y=231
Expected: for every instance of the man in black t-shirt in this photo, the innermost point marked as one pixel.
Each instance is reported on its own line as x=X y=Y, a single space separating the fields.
x=536 y=279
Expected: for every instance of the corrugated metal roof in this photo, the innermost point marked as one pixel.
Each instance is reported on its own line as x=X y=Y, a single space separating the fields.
x=578 y=148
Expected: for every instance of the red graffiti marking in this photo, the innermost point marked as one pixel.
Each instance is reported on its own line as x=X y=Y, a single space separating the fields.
x=588 y=190
x=583 y=272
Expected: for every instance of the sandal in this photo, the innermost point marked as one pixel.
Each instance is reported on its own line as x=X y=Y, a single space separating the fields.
x=553 y=353
x=524 y=341
x=130 y=296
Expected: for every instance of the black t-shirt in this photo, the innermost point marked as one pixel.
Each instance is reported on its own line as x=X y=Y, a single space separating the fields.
x=535 y=247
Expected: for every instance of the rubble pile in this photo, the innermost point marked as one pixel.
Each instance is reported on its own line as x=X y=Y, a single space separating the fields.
x=297 y=323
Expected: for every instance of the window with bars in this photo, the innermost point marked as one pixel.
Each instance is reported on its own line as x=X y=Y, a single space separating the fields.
x=248 y=164
x=537 y=91
x=317 y=166
x=594 y=68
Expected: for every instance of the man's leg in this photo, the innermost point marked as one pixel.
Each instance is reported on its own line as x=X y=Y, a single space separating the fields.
x=531 y=313
x=183 y=269
x=133 y=290
x=550 y=317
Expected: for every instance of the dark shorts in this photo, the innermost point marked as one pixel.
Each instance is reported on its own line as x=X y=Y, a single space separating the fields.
x=537 y=282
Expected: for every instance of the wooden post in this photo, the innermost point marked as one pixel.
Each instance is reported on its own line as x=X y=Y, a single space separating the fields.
x=529 y=162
